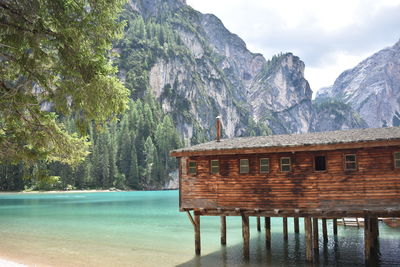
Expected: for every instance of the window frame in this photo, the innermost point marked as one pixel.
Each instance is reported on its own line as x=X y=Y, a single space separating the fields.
x=260 y=165
x=240 y=166
x=345 y=162
x=281 y=164
x=211 y=166
x=190 y=167
x=326 y=163
x=396 y=160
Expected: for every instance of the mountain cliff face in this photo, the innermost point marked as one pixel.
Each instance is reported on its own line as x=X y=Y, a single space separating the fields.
x=198 y=70
x=281 y=97
x=333 y=114
x=372 y=88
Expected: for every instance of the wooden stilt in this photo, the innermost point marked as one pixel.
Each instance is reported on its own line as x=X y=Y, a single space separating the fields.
x=223 y=230
x=324 y=230
x=197 y=243
x=308 y=237
x=335 y=226
x=367 y=237
x=285 y=228
x=375 y=228
x=246 y=236
x=315 y=235
x=296 y=224
x=258 y=224
x=374 y=233
x=268 y=232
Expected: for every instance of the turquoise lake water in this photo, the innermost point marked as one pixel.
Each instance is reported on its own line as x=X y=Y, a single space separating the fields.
x=147 y=229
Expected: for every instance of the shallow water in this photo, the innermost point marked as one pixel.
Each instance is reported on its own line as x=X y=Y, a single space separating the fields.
x=146 y=229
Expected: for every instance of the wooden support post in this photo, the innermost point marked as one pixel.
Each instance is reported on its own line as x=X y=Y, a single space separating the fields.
x=367 y=237
x=308 y=237
x=285 y=228
x=324 y=230
x=374 y=232
x=335 y=226
x=258 y=224
x=197 y=243
x=223 y=230
x=246 y=236
x=268 y=232
x=375 y=228
x=315 y=235
x=296 y=224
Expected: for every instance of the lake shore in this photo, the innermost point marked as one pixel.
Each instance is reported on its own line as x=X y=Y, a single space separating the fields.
x=61 y=191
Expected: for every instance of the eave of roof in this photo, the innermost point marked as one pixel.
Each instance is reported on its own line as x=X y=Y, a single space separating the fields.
x=344 y=139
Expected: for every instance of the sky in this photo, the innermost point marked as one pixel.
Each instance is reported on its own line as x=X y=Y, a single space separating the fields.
x=329 y=36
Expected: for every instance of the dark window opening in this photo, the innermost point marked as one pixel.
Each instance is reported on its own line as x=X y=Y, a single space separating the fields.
x=320 y=163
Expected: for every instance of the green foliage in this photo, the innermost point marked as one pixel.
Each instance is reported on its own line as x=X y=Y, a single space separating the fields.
x=56 y=53
x=143 y=44
x=339 y=109
x=130 y=154
x=272 y=64
x=48 y=183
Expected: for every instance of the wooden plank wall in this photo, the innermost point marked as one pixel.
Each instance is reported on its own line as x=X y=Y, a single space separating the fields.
x=375 y=184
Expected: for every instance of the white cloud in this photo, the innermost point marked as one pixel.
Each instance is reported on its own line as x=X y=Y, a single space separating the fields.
x=329 y=36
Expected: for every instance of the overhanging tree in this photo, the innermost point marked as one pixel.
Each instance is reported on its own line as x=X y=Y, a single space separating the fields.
x=55 y=58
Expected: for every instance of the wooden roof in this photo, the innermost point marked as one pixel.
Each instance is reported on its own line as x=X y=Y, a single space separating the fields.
x=296 y=142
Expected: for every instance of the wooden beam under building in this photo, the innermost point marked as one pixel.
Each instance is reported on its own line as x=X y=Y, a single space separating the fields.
x=285 y=229
x=268 y=232
x=367 y=238
x=315 y=235
x=197 y=242
x=291 y=213
x=296 y=224
x=258 y=224
x=308 y=239
x=324 y=230
x=335 y=226
x=246 y=236
x=223 y=230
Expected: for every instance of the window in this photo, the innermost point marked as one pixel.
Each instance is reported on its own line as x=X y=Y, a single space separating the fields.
x=285 y=165
x=192 y=167
x=264 y=165
x=215 y=166
x=397 y=160
x=319 y=163
x=244 y=166
x=350 y=162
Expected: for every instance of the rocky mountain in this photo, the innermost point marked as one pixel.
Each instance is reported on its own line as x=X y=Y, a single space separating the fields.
x=332 y=114
x=372 y=88
x=197 y=70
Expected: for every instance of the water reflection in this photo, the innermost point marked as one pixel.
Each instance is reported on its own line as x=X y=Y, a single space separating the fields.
x=345 y=249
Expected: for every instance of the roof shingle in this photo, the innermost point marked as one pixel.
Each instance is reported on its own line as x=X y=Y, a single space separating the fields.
x=296 y=140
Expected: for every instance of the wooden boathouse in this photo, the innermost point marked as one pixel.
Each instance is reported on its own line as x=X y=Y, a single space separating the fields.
x=324 y=175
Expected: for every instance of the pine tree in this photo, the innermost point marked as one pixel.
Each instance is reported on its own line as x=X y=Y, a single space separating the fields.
x=150 y=161
x=133 y=174
x=56 y=52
